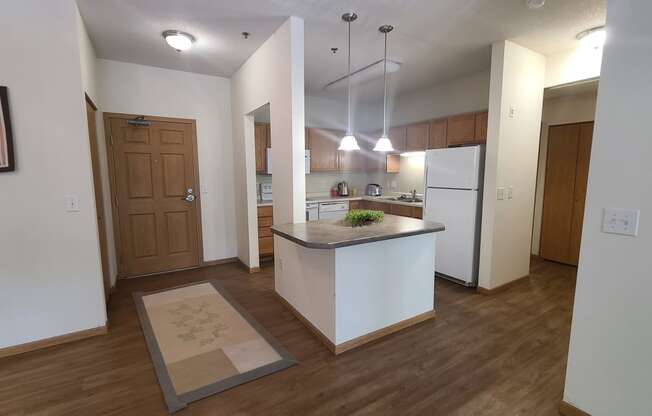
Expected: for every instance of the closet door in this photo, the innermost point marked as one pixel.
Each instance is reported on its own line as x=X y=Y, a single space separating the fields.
x=567 y=171
x=581 y=177
x=559 y=192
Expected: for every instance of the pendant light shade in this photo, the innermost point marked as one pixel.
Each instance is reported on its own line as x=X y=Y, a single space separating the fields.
x=349 y=142
x=384 y=144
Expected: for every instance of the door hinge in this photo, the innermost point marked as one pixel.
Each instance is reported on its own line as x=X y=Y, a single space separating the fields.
x=115 y=200
x=111 y=139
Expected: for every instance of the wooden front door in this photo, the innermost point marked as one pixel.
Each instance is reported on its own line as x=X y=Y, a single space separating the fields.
x=567 y=169
x=155 y=187
x=99 y=199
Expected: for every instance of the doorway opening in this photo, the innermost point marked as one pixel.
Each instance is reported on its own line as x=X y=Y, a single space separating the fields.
x=564 y=158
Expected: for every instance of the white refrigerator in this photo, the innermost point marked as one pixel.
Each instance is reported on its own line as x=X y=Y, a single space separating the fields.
x=453 y=196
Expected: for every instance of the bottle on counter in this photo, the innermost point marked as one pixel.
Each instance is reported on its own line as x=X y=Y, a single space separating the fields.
x=334 y=191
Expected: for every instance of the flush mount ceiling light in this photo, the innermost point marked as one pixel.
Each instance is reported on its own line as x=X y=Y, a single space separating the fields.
x=348 y=141
x=180 y=41
x=384 y=144
x=535 y=4
x=592 y=38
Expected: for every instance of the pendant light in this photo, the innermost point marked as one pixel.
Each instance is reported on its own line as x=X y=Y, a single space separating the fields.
x=384 y=144
x=349 y=142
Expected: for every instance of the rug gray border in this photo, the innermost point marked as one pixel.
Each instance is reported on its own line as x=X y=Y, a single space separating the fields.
x=175 y=402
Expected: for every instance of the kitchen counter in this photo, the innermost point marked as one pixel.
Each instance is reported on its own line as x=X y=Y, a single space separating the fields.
x=329 y=234
x=318 y=199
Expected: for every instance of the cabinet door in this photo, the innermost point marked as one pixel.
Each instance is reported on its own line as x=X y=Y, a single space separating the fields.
x=402 y=210
x=323 y=144
x=353 y=161
x=376 y=161
x=397 y=136
x=416 y=137
x=355 y=205
x=438 y=134
x=481 y=126
x=559 y=191
x=461 y=129
x=260 y=132
x=393 y=163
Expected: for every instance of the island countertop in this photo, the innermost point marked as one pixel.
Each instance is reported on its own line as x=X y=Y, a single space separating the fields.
x=330 y=234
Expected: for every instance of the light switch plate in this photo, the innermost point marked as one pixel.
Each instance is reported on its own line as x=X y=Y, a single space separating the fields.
x=72 y=203
x=620 y=221
x=510 y=192
x=500 y=193
x=512 y=111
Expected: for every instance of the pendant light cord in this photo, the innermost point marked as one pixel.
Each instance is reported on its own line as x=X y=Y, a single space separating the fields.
x=348 y=78
x=385 y=92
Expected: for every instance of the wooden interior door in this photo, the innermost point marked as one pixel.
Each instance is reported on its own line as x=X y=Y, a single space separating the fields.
x=155 y=185
x=569 y=148
x=91 y=111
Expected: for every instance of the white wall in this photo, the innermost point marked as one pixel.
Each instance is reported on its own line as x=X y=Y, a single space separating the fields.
x=561 y=110
x=458 y=96
x=609 y=363
x=512 y=149
x=274 y=75
x=50 y=272
x=572 y=65
x=138 y=89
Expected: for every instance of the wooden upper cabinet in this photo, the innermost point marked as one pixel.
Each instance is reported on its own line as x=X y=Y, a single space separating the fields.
x=353 y=161
x=393 y=163
x=323 y=144
x=261 y=132
x=417 y=137
x=481 y=119
x=397 y=135
x=461 y=129
x=438 y=134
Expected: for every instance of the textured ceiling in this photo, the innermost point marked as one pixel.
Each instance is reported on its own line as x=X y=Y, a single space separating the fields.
x=436 y=40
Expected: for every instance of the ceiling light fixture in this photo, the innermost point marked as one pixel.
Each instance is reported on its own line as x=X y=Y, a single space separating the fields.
x=384 y=144
x=535 y=4
x=349 y=142
x=180 y=41
x=592 y=38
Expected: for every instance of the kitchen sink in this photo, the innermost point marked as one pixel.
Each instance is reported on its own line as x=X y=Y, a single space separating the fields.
x=403 y=198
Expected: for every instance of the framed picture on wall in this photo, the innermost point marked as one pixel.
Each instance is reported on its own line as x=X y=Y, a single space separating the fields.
x=6 y=138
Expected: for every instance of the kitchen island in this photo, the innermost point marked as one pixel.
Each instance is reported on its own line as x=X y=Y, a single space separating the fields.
x=352 y=285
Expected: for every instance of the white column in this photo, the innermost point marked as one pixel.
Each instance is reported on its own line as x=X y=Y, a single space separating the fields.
x=515 y=105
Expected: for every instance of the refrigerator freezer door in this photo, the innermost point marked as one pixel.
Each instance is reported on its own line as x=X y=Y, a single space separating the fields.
x=457 y=210
x=455 y=167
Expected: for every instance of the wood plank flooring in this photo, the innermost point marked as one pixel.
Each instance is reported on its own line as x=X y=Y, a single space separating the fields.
x=498 y=355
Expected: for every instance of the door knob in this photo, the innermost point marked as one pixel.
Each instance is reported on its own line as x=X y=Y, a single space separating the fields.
x=190 y=197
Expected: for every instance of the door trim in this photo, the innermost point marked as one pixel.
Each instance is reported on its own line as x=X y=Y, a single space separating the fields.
x=98 y=194
x=113 y=182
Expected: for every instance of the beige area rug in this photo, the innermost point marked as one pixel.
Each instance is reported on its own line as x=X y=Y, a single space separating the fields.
x=202 y=342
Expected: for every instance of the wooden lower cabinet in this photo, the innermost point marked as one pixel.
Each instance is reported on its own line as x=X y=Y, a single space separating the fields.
x=265 y=238
x=355 y=205
x=388 y=208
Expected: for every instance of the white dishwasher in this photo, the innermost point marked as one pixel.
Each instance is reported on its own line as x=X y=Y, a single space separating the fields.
x=334 y=210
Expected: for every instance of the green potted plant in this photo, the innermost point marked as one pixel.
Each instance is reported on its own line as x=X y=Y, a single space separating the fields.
x=360 y=217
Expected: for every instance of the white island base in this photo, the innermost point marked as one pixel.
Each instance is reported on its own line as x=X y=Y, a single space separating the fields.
x=355 y=294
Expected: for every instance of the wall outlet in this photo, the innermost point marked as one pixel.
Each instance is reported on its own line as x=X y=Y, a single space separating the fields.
x=72 y=203
x=512 y=111
x=500 y=193
x=620 y=221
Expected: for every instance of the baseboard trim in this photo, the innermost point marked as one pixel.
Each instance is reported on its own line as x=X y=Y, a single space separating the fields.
x=359 y=341
x=501 y=288
x=248 y=269
x=50 y=342
x=567 y=409
x=227 y=260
